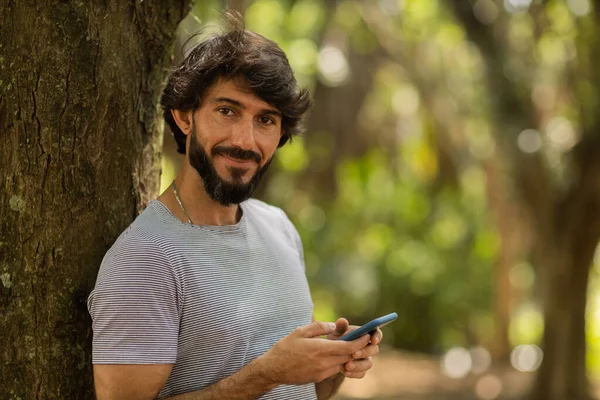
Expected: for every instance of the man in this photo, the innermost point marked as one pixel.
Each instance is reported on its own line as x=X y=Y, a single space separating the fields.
x=204 y=296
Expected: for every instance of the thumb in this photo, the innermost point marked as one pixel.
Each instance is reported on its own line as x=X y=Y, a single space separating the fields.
x=317 y=328
x=341 y=326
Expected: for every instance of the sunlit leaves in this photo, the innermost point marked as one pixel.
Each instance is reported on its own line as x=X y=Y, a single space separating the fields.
x=449 y=36
x=526 y=326
x=473 y=187
x=293 y=157
x=421 y=159
x=448 y=230
x=421 y=12
x=487 y=245
x=412 y=205
x=326 y=305
x=306 y=17
x=375 y=242
x=562 y=21
x=394 y=237
x=554 y=51
x=312 y=217
x=520 y=33
x=302 y=54
x=391 y=238
x=266 y=17
x=479 y=137
x=347 y=15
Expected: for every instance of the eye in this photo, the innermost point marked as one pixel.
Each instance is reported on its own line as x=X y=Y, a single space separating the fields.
x=225 y=111
x=266 y=120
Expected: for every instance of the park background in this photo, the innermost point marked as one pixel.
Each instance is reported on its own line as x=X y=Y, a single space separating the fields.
x=449 y=171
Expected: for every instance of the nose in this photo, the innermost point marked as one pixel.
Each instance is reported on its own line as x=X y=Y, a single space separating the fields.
x=243 y=134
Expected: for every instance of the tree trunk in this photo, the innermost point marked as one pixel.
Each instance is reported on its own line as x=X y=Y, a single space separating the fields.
x=566 y=256
x=79 y=159
x=562 y=374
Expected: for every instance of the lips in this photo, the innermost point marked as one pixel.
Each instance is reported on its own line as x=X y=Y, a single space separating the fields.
x=240 y=162
x=237 y=154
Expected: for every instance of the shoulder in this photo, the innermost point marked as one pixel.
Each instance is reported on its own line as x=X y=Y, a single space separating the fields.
x=151 y=228
x=263 y=209
x=275 y=218
x=142 y=246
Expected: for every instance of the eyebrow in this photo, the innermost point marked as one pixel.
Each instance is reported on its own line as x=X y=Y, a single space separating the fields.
x=267 y=111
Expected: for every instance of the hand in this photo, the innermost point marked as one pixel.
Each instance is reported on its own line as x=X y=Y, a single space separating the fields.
x=361 y=363
x=304 y=357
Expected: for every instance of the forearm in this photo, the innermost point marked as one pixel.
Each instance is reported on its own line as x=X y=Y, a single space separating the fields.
x=246 y=384
x=328 y=387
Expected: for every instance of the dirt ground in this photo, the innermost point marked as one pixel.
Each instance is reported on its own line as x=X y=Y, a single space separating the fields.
x=405 y=376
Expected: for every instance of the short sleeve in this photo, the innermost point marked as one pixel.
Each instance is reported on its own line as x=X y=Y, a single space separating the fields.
x=135 y=306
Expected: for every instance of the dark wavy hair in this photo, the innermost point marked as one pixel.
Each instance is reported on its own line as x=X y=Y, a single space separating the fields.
x=236 y=54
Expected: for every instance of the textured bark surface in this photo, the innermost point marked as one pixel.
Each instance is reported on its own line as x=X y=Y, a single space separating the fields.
x=79 y=158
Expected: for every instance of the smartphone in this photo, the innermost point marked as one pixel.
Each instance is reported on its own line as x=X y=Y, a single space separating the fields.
x=370 y=327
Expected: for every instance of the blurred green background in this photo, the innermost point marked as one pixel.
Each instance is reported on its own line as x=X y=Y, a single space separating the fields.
x=410 y=186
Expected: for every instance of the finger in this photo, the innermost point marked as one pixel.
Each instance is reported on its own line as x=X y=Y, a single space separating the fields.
x=353 y=346
x=341 y=326
x=317 y=328
x=369 y=351
x=360 y=343
x=339 y=347
x=359 y=365
x=349 y=328
x=332 y=371
x=377 y=336
x=354 y=375
x=333 y=361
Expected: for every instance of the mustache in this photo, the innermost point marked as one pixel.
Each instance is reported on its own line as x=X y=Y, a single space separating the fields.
x=237 y=153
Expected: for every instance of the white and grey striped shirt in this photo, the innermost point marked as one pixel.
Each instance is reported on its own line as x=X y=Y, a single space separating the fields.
x=208 y=299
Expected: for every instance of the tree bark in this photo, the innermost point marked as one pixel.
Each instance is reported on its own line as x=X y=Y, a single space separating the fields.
x=567 y=253
x=562 y=374
x=563 y=371
x=79 y=159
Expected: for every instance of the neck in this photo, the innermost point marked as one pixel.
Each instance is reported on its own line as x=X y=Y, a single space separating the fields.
x=202 y=209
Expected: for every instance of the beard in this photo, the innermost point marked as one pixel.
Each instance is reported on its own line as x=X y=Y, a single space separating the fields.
x=219 y=189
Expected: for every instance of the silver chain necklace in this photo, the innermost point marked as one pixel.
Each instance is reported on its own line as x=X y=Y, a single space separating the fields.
x=179 y=201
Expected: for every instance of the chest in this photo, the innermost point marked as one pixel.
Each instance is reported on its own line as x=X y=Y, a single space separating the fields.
x=244 y=294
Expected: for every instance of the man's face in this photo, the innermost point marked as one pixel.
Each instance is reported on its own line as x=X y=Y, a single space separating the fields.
x=233 y=139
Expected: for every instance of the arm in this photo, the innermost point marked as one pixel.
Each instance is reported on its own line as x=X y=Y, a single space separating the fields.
x=301 y=357
x=246 y=384
x=328 y=387
x=141 y=382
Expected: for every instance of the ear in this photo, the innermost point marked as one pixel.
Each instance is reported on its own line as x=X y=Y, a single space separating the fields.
x=183 y=119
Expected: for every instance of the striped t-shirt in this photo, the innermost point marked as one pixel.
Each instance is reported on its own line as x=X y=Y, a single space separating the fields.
x=208 y=299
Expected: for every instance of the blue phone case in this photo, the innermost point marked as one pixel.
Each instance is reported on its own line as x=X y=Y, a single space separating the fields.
x=370 y=327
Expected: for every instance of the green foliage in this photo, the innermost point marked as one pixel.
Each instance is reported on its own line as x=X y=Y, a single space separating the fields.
x=408 y=227
x=390 y=240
